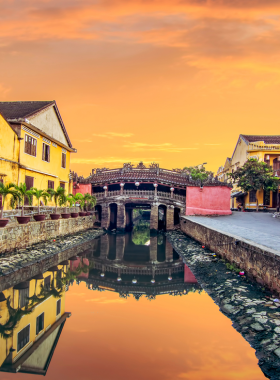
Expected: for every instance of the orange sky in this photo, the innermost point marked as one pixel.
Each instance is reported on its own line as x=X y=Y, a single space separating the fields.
x=171 y=81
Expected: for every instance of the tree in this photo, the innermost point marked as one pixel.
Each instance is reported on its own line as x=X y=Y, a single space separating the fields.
x=57 y=194
x=90 y=200
x=79 y=198
x=23 y=193
x=8 y=190
x=198 y=173
x=40 y=194
x=255 y=175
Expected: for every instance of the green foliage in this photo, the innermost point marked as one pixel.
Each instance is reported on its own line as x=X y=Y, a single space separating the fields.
x=141 y=233
x=255 y=175
x=198 y=173
x=57 y=195
x=40 y=194
x=22 y=194
x=232 y=267
x=90 y=200
x=6 y=190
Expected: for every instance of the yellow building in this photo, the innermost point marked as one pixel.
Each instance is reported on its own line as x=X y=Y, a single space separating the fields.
x=34 y=145
x=264 y=148
x=32 y=341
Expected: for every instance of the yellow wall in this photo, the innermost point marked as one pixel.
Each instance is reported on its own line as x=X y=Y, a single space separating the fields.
x=48 y=307
x=9 y=149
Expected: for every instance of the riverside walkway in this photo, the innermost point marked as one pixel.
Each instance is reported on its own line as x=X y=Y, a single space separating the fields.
x=260 y=228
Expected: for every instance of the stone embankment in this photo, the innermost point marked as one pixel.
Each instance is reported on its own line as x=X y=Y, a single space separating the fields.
x=255 y=312
x=24 y=235
x=22 y=264
x=260 y=262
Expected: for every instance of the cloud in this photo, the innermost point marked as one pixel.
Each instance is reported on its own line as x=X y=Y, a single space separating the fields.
x=212 y=144
x=112 y=160
x=110 y=135
x=164 y=147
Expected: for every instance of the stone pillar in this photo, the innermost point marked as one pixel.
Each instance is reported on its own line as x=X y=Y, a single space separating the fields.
x=104 y=247
x=121 y=185
x=121 y=217
x=105 y=217
x=105 y=190
x=169 y=218
x=168 y=252
x=156 y=186
x=172 y=192
x=128 y=217
x=153 y=249
x=154 y=218
x=120 y=241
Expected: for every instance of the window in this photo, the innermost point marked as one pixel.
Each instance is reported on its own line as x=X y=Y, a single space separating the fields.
x=276 y=164
x=46 y=152
x=63 y=160
x=29 y=181
x=40 y=323
x=23 y=337
x=23 y=297
x=30 y=145
x=50 y=184
x=62 y=184
x=47 y=282
x=252 y=196
x=58 y=307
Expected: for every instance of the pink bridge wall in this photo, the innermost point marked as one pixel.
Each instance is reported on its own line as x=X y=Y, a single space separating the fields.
x=81 y=188
x=212 y=200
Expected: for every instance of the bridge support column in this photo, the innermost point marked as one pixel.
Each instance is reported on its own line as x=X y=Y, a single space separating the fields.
x=168 y=252
x=105 y=218
x=104 y=246
x=169 y=218
x=120 y=241
x=154 y=218
x=121 y=217
x=153 y=249
x=128 y=217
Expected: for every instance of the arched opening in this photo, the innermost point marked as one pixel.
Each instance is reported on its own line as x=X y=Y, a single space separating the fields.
x=112 y=247
x=96 y=248
x=161 y=248
x=176 y=216
x=98 y=214
x=113 y=216
x=162 y=217
x=175 y=255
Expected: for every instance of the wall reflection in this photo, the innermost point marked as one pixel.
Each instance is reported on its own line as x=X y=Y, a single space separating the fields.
x=32 y=316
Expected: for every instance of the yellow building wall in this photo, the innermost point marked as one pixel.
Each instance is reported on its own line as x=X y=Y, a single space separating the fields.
x=9 y=150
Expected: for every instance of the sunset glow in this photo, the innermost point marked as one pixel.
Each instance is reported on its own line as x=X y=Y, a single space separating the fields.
x=174 y=82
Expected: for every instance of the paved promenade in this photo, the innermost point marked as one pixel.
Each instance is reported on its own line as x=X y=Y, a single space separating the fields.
x=260 y=228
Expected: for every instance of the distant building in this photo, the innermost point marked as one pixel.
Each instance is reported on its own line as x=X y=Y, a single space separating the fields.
x=264 y=148
x=34 y=145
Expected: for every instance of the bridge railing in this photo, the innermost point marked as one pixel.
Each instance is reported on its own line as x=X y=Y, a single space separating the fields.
x=141 y=193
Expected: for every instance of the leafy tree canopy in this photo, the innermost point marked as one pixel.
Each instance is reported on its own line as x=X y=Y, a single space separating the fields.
x=198 y=173
x=255 y=175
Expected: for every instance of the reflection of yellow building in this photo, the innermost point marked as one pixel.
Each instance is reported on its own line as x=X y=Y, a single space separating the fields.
x=34 y=145
x=263 y=148
x=31 y=343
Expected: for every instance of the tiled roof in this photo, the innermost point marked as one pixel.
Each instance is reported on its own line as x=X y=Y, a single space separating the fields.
x=267 y=139
x=15 y=110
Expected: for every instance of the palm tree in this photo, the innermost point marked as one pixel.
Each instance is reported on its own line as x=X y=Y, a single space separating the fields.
x=79 y=198
x=64 y=200
x=38 y=194
x=57 y=194
x=90 y=200
x=8 y=190
x=23 y=193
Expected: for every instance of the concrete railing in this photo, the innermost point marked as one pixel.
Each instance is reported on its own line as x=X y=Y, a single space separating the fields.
x=141 y=193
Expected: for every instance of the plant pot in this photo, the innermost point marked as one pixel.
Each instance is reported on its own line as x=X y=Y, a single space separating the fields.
x=23 y=219
x=74 y=214
x=65 y=216
x=82 y=213
x=3 y=222
x=54 y=216
x=39 y=217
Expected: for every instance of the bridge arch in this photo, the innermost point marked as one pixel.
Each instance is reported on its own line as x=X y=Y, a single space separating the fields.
x=98 y=214
x=162 y=211
x=113 y=208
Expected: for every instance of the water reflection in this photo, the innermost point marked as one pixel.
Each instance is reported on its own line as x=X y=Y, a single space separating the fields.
x=32 y=318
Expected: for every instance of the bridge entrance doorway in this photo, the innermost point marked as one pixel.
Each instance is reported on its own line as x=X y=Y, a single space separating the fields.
x=144 y=209
x=176 y=216
x=98 y=215
x=113 y=216
x=162 y=218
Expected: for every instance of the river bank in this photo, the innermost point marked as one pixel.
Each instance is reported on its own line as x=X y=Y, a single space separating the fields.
x=250 y=306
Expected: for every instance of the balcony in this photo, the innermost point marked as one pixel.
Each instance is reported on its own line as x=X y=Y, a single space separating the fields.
x=263 y=148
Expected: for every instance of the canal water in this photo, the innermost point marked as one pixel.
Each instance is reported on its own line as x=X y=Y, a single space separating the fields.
x=137 y=312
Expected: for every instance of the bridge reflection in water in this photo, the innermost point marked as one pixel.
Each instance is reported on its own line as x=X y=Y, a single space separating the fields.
x=137 y=264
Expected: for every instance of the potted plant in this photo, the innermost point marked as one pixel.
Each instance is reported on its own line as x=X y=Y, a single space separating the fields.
x=57 y=195
x=90 y=202
x=64 y=201
x=40 y=194
x=23 y=193
x=77 y=198
x=4 y=191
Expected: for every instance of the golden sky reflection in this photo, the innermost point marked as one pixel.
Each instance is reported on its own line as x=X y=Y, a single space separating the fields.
x=167 y=81
x=170 y=338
